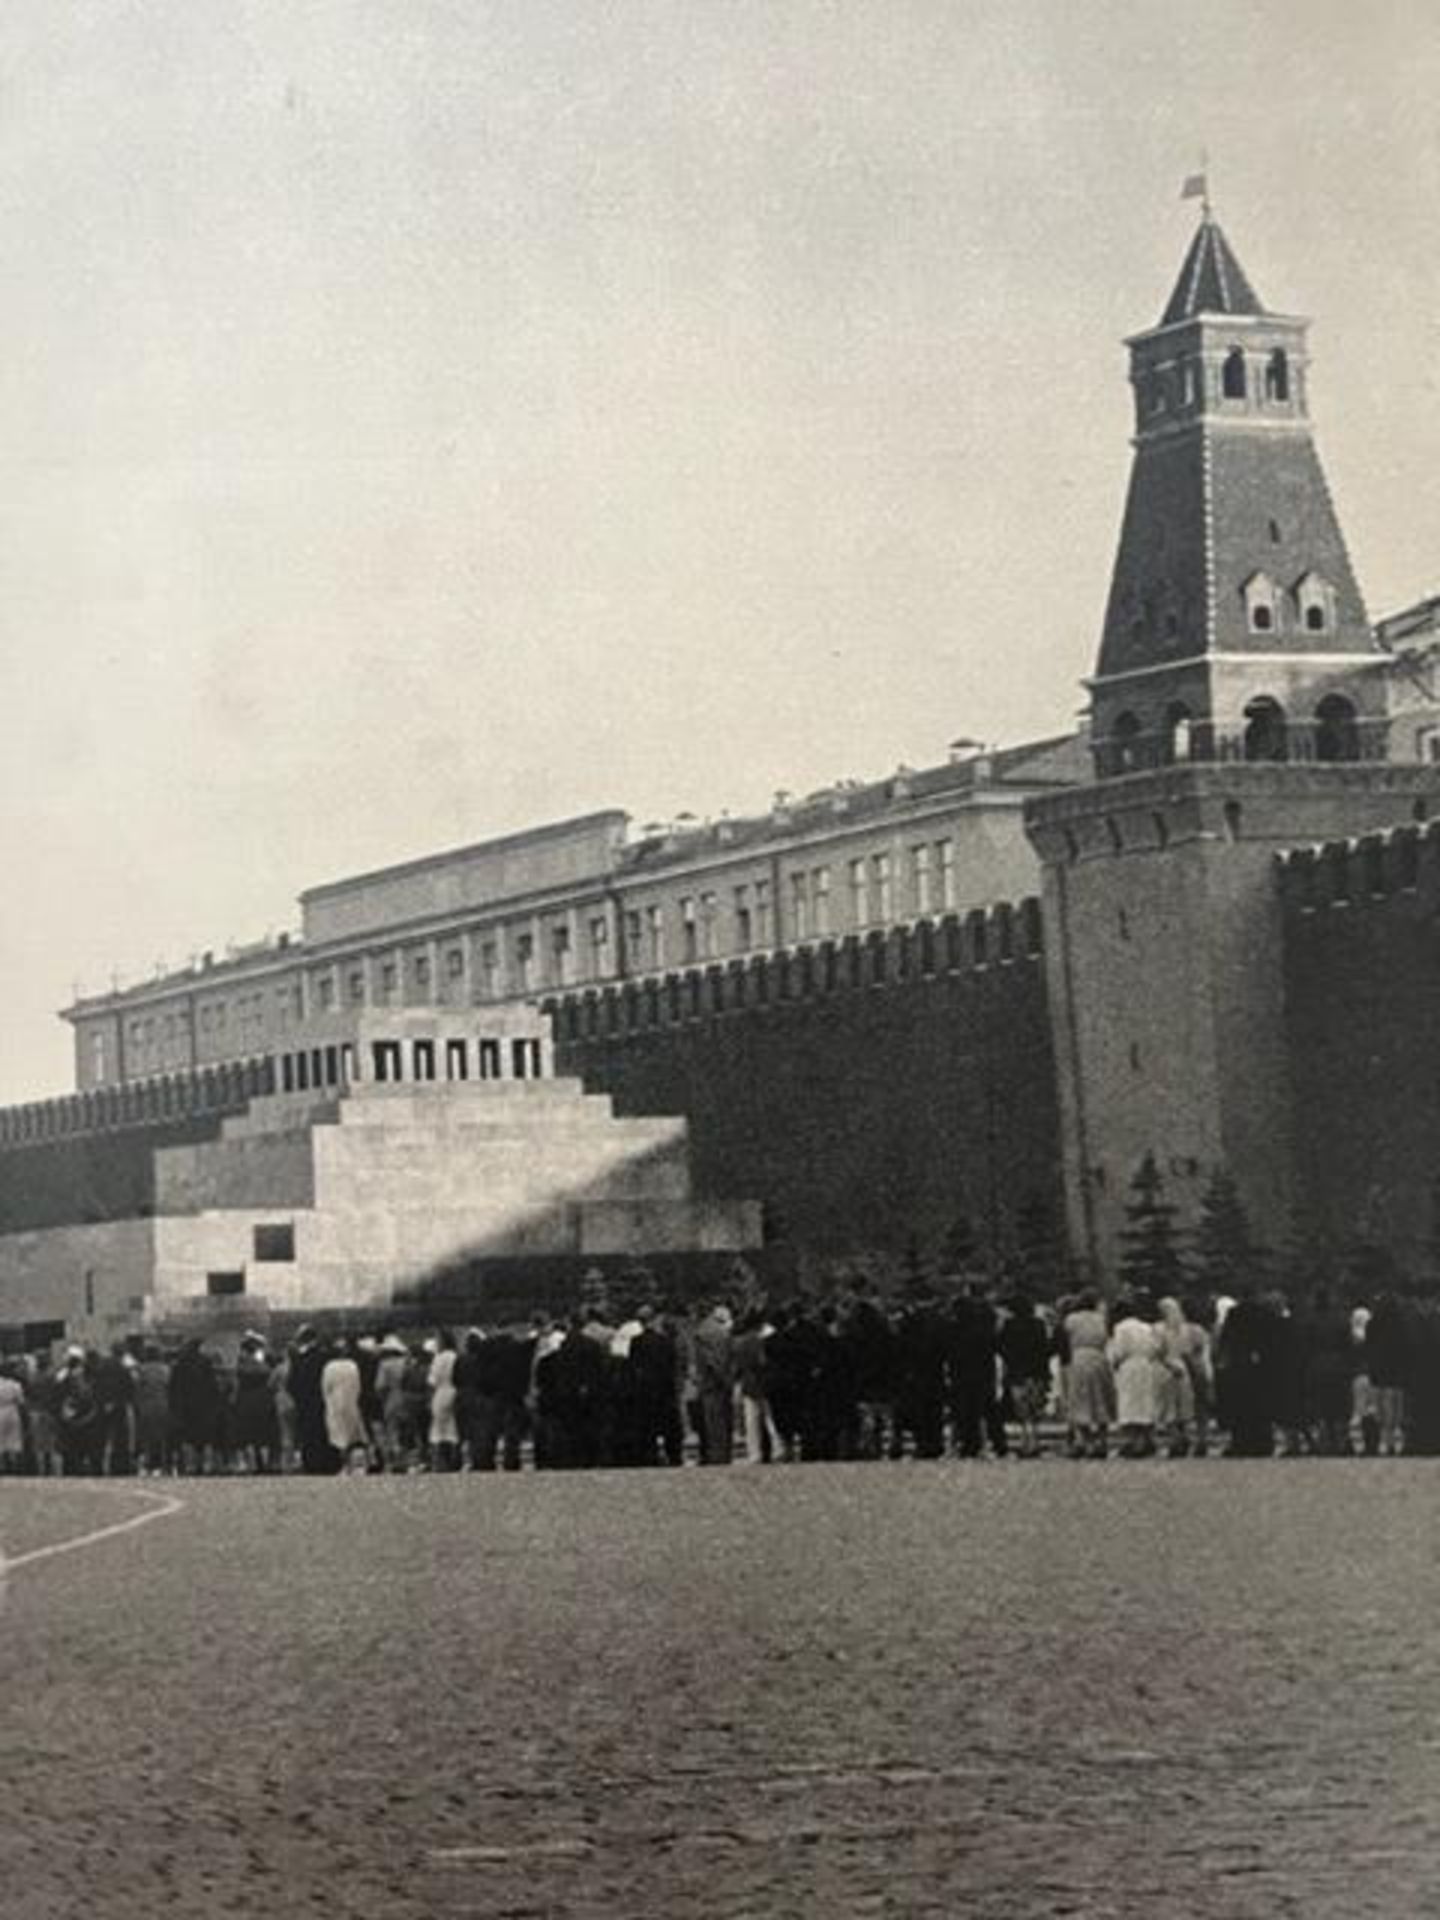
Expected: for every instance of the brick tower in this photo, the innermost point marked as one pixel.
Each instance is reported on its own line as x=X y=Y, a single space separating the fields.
x=1239 y=707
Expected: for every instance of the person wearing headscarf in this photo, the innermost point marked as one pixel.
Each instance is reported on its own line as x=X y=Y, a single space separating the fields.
x=394 y=1425
x=1179 y=1346
x=1089 y=1384
x=154 y=1447
x=254 y=1430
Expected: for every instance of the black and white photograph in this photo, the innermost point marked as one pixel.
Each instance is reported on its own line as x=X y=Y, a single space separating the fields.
x=720 y=1081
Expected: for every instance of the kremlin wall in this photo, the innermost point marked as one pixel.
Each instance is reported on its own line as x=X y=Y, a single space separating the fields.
x=951 y=1009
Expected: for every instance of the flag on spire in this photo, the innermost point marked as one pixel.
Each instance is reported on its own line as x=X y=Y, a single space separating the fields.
x=1196 y=187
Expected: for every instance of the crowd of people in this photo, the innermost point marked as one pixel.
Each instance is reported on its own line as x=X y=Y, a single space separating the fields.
x=852 y=1376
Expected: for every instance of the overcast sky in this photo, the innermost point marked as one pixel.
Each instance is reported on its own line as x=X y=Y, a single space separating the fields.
x=424 y=418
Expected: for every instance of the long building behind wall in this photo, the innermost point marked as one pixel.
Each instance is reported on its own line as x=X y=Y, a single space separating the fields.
x=586 y=903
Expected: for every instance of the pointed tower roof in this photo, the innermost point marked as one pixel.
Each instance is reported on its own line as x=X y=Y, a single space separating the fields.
x=1212 y=280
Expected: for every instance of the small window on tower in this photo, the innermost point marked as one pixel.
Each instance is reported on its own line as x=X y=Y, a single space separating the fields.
x=1260 y=603
x=1232 y=377
x=1315 y=603
x=1277 y=376
x=1274 y=533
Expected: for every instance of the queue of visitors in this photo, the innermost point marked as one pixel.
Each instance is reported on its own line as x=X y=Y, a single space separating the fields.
x=849 y=1377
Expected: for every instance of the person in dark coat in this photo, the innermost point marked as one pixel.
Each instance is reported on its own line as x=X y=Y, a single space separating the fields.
x=836 y=1391
x=714 y=1364
x=920 y=1344
x=1388 y=1361
x=789 y=1379
x=469 y=1390
x=1422 y=1381
x=576 y=1389
x=652 y=1392
x=502 y=1381
x=1024 y=1348
x=1289 y=1363
x=1245 y=1363
x=79 y=1429
x=545 y=1395
x=1328 y=1358
x=115 y=1399
x=195 y=1410
x=971 y=1373
x=870 y=1343
x=307 y=1364
x=256 y=1433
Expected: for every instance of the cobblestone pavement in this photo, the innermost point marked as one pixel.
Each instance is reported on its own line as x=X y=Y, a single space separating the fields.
x=1027 y=1690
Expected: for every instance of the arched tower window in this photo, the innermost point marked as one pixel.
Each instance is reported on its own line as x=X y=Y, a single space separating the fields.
x=1266 y=736
x=1125 y=743
x=1179 y=742
x=1277 y=376
x=1232 y=375
x=1337 y=737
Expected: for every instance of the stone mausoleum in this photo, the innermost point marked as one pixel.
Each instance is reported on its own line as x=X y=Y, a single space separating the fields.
x=377 y=1153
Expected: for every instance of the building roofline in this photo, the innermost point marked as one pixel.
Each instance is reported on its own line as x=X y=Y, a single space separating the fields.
x=1256 y=322
x=526 y=836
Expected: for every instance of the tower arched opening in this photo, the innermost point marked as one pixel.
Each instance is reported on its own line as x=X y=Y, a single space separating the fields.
x=1266 y=734
x=1232 y=375
x=1337 y=732
x=1179 y=733
x=1125 y=743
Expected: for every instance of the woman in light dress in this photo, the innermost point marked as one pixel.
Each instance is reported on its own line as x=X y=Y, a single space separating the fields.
x=1089 y=1388
x=344 y=1422
x=444 y=1429
x=1134 y=1349
x=1183 y=1381
x=12 y=1425
x=394 y=1401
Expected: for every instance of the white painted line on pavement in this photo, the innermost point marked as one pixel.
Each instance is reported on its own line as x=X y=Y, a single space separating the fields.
x=168 y=1505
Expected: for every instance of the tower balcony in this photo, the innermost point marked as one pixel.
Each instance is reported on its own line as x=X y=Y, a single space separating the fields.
x=1263 y=734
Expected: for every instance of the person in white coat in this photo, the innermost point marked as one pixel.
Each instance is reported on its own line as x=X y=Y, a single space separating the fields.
x=1134 y=1349
x=444 y=1428
x=344 y=1423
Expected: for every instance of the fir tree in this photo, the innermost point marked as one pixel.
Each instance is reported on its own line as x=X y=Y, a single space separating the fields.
x=960 y=1248
x=1150 y=1257
x=1041 y=1264
x=1227 y=1256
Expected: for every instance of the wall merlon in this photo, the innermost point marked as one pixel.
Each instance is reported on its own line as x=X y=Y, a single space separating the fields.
x=1004 y=934
x=1368 y=869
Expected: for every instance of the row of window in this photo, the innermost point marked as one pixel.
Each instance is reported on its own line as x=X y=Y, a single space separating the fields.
x=1160 y=390
x=872 y=890
x=1331 y=733
x=1311 y=602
